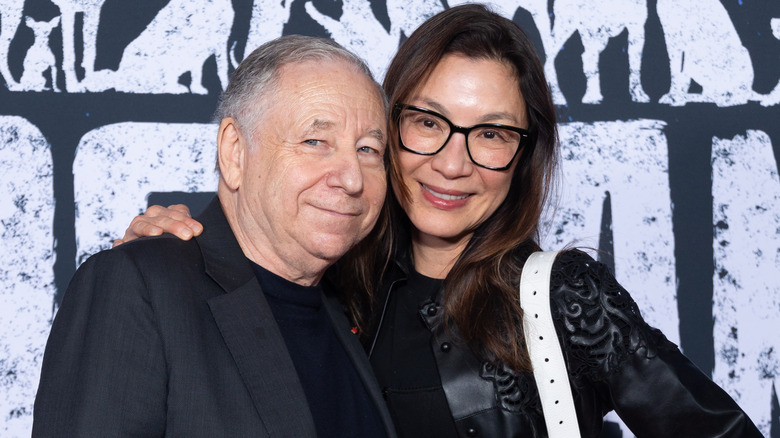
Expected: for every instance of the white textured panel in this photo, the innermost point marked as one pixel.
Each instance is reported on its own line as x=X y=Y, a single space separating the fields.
x=26 y=268
x=704 y=46
x=630 y=161
x=508 y=9
x=89 y=11
x=596 y=23
x=39 y=62
x=179 y=40
x=358 y=29
x=406 y=16
x=117 y=166
x=773 y=97
x=267 y=23
x=746 y=295
x=10 y=19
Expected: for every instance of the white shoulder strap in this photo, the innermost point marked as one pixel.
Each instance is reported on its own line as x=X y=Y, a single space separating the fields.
x=544 y=349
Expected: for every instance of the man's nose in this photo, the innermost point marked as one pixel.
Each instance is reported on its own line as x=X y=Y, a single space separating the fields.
x=346 y=172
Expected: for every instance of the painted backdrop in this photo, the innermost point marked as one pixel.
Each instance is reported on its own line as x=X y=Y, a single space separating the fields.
x=670 y=128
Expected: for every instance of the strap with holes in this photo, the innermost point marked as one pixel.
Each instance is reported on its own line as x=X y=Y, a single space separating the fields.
x=544 y=349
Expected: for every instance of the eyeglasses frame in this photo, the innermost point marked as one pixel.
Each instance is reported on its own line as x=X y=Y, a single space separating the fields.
x=463 y=130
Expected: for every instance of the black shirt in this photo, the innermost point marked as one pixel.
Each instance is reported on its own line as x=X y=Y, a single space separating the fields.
x=337 y=398
x=405 y=366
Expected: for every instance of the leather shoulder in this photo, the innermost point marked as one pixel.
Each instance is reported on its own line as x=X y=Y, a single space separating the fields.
x=598 y=322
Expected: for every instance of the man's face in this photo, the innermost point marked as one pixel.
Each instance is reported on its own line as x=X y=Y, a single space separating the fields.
x=313 y=183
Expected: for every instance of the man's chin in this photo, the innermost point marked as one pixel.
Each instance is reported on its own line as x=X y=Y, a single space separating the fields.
x=332 y=247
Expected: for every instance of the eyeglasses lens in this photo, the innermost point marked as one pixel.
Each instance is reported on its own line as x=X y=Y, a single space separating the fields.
x=488 y=145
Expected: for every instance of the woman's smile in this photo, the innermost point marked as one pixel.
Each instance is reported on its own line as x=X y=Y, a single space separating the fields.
x=450 y=196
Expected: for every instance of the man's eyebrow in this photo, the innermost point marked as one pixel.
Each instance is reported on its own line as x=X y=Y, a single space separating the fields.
x=377 y=134
x=319 y=125
x=323 y=125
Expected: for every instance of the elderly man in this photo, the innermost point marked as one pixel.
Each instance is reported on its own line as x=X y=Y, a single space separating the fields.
x=232 y=334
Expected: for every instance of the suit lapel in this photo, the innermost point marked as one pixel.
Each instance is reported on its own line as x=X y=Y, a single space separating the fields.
x=359 y=359
x=251 y=333
x=253 y=338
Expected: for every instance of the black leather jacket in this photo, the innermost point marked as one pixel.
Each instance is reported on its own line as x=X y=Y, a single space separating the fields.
x=615 y=362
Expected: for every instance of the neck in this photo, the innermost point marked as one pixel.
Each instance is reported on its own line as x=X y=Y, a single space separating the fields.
x=435 y=257
x=302 y=270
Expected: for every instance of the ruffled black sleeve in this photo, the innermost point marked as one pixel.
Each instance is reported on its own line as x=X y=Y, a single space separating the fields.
x=617 y=361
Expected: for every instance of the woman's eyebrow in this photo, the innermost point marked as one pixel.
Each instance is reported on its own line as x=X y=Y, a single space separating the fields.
x=486 y=118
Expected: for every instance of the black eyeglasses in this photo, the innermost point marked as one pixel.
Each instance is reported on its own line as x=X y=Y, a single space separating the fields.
x=489 y=145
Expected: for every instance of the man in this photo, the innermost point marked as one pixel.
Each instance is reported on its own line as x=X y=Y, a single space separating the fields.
x=230 y=334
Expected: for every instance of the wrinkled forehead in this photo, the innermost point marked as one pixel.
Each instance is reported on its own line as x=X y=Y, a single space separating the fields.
x=329 y=75
x=317 y=96
x=307 y=85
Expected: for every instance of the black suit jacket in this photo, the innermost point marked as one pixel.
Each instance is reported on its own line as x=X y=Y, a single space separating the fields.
x=162 y=337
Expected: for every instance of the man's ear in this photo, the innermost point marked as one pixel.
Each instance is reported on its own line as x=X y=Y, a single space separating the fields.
x=231 y=147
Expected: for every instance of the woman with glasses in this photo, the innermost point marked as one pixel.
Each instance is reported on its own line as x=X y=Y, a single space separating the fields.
x=473 y=149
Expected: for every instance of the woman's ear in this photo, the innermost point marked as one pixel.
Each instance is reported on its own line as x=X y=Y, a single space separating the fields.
x=231 y=147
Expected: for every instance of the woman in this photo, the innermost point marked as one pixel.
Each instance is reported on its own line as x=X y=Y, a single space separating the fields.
x=473 y=149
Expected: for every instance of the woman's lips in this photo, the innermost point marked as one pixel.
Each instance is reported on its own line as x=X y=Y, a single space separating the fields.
x=444 y=199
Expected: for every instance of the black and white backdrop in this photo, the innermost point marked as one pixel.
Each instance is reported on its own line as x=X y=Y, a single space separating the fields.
x=670 y=128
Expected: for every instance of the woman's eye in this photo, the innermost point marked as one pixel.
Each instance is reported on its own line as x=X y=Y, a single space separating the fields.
x=427 y=123
x=493 y=135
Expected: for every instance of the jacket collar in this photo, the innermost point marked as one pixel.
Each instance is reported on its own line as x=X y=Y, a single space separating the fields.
x=254 y=340
x=250 y=330
x=225 y=261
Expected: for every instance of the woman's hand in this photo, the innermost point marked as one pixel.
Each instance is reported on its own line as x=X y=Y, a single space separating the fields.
x=175 y=220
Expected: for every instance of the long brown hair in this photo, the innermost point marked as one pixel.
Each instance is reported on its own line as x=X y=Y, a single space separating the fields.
x=481 y=290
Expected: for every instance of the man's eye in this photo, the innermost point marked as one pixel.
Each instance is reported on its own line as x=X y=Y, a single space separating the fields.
x=368 y=149
x=312 y=142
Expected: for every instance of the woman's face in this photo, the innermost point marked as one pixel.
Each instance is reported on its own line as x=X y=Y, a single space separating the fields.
x=450 y=196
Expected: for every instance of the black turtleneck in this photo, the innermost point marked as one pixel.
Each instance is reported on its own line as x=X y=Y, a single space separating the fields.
x=337 y=398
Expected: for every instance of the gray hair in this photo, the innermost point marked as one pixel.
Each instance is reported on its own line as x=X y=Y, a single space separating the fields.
x=255 y=82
